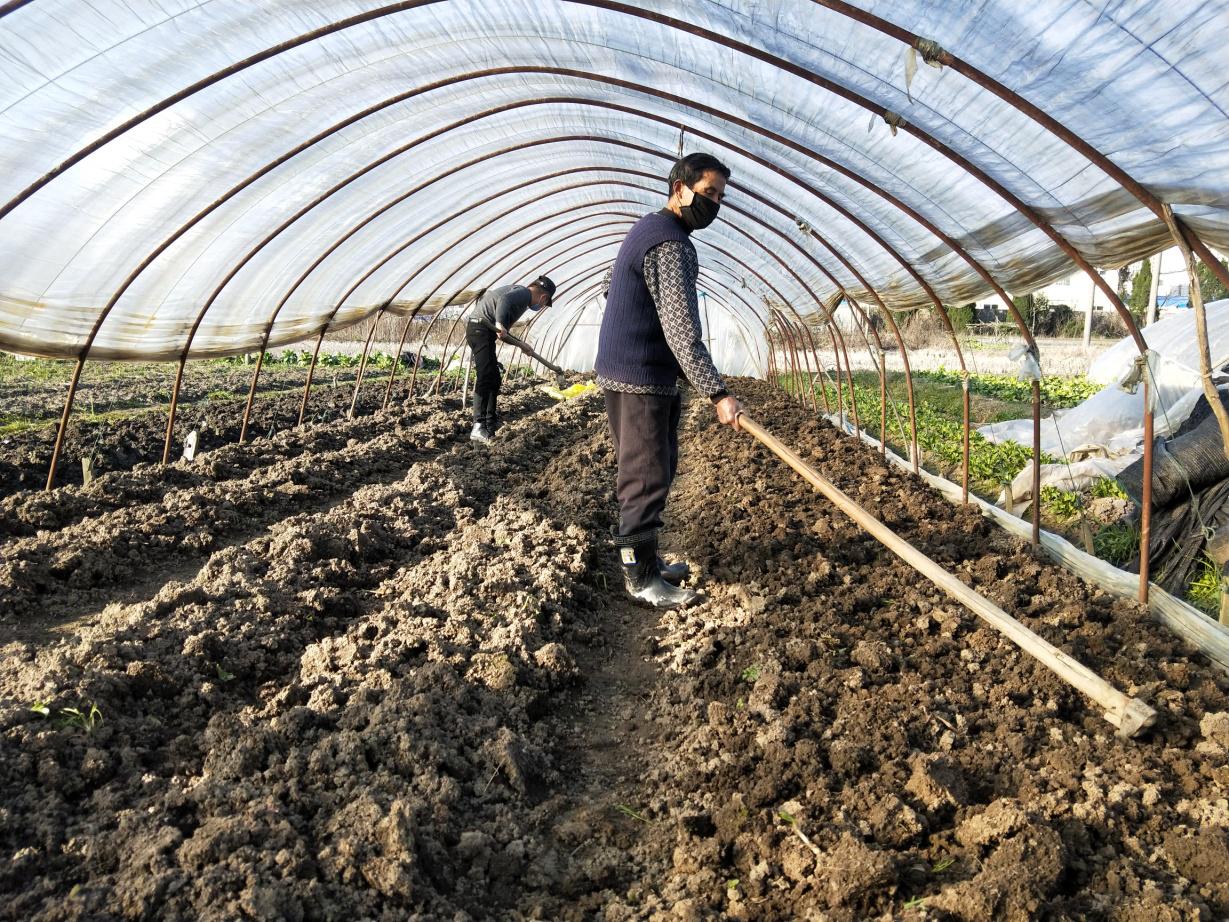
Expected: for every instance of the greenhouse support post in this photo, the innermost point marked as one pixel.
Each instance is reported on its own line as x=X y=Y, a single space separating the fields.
x=965 y=438
x=1130 y=715
x=883 y=403
x=1201 y=333
x=1036 y=463
x=405 y=331
x=68 y=409
x=445 y=353
x=1043 y=118
x=170 y=416
x=1145 y=510
x=362 y=363
x=422 y=345
x=247 y=407
x=311 y=373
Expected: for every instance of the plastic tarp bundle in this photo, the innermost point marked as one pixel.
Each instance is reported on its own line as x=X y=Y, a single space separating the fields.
x=186 y=178
x=1111 y=422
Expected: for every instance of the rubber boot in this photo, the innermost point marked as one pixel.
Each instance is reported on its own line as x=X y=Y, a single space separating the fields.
x=672 y=573
x=480 y=432
x=638 y=555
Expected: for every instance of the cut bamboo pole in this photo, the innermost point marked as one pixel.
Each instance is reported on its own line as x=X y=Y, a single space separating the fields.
x=1130 y=715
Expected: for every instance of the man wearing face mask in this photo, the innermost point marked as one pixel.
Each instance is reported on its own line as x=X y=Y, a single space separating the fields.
x=650 y=337
x=491 y=319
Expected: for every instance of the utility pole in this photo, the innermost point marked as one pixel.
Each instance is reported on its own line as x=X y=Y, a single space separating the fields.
x=1156 y=287
x=1092 y=300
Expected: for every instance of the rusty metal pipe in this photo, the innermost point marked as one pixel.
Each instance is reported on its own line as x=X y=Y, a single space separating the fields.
x=68 y=409
x=247 y=409
x=362 y=363
x=311 y=373
x=170 y=418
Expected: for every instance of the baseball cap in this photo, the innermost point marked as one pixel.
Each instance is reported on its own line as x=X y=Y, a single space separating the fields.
x=546 y=285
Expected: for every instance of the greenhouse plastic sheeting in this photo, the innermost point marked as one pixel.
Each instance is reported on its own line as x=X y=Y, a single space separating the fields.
x=199 y=178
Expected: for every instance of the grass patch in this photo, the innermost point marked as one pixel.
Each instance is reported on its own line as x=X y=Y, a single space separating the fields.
x=940 y=413
x=1206 y=588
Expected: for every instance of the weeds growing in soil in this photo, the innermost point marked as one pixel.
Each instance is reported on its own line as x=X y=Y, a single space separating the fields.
x=628 y=811
x=1104 y=487
x=82 y=718
x=1207 y=587
x=1062 y=504
x=1117 y=543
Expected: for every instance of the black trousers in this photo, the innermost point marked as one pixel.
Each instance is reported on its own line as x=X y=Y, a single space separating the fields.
x=645 y=430
x=481 y=343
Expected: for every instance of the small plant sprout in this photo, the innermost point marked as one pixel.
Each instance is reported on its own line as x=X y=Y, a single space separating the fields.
x=628 y=811
x=750 y=674
x=732 y=884
x=942 y=865
x=40 y=707
x=223 y=675
x=918 y=902
x=786 y=817
x=80 y=717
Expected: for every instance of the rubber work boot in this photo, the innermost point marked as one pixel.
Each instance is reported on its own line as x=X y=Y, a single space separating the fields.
x=672 y=573
x=638 y=555
x=480 y=433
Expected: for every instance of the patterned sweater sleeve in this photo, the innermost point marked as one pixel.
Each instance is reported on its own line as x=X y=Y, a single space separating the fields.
x=670 y=272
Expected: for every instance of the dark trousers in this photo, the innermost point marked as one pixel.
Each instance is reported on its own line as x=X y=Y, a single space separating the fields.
x=645 y=429
x=481 y=343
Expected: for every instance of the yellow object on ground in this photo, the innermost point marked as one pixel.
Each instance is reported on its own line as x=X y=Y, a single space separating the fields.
x=574 y=390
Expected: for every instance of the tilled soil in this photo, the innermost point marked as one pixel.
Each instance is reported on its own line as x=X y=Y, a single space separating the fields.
x=122 y=442
x=375 y=671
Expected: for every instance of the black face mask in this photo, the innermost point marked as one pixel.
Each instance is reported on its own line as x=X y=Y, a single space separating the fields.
x=700 y=213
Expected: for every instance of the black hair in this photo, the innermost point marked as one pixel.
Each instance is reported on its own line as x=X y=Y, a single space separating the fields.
x=692 y=168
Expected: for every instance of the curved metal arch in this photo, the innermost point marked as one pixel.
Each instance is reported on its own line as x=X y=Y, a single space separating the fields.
x=1038 y=115
x=406 y=244
x=1009 y=301
x=235 y=270
x=201 y=215
x=12 y=6
x=410 y=318
x=358 y=382
x=385 y=208
x=780 y=63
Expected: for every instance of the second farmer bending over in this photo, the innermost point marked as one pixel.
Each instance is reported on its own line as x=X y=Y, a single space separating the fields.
x=493 y=316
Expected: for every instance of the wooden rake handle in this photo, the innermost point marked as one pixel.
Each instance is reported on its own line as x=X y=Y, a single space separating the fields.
x=525 y=347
